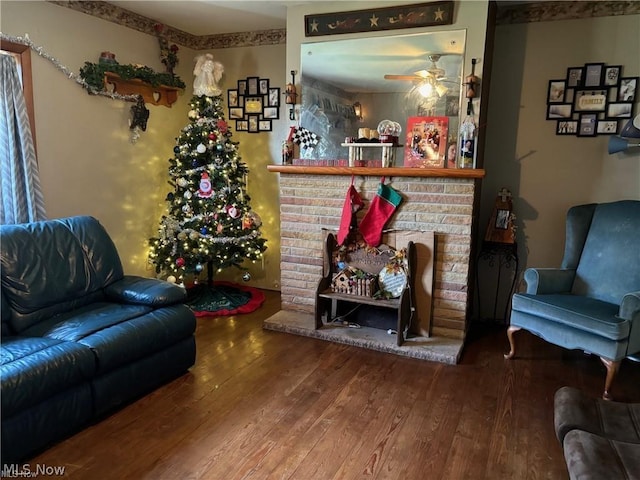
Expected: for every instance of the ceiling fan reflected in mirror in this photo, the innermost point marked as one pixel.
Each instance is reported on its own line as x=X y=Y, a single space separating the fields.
x=429 y=81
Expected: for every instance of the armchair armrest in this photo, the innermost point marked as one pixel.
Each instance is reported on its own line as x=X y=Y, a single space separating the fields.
x=542 y=281
x=630 y=310
x=145 y=291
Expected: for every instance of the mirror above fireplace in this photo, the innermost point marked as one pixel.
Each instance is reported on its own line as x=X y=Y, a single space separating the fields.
x=338 y=74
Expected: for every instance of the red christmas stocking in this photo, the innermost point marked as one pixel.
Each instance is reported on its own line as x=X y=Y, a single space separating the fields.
x=380 y=211
x=352 y=203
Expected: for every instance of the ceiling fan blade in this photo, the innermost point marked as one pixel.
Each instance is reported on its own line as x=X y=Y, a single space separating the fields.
x=401 y=77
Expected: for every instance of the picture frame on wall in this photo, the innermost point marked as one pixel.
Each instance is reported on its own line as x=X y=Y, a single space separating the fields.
x=242 y=87
x=627 y=89
x=587 y=124
x=593 y=74
x=232 y=98
x=619 y=110
x=567 y=127
x=242 y=125
x=607 y=127
x=559 y=111
x=556 y=92
x=253 y=123
x=252 y=86
x=253 y=105
x=271 y=112
x=612 y=75
x=236 y=113
x=590 y=100
x=263 y=86
x=574 y=77
x=274 y=97
x=264 y=125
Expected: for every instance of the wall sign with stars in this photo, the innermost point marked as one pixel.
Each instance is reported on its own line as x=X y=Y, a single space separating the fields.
x=389 y=18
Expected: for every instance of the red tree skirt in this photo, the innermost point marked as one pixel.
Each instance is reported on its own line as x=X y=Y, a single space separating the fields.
x=223 y=298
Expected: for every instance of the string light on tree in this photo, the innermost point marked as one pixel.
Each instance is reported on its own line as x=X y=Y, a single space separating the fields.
x=210 y=225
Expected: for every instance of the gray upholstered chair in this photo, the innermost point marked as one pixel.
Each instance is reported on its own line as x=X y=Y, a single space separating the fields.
x=592 y=302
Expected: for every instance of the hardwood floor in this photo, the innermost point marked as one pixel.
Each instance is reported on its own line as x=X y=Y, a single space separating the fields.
x=267 y=405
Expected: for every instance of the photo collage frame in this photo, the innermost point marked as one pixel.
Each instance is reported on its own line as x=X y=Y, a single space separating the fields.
x=254 y=104
x=595 y=99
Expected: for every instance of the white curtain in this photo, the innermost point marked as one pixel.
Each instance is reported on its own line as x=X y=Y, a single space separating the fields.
x=20 y=192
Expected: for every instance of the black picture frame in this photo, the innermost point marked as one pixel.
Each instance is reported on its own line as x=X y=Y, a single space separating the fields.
x=252 y=86
x=574 y=76
x=273 y=99
x=556 y=91
x=232 y=98
x=263 y=86
x=253 y=123
x=587 y=124
x=271 y=113
x=590 y=100
x=617 y=110
x=557 y=111
x=242 y=87
x=627 y=89
x=607 y=127
x=593 y=74
x=236 y=113
x=242 y=125
x=567 y=127
x=612 y=74
x=264 y=125
x=253 y=104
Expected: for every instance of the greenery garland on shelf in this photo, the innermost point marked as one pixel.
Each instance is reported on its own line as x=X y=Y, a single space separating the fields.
x=93 y=75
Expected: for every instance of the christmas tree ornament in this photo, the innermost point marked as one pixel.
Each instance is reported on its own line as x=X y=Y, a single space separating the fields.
x=171 y=279
x=212 y=136
x=193 y=114
x=182 y=235
x=187 y=195
x=207 y=73
x=233 y=211
x=219 y=147
x=193 y=235
x=199 y=267
x=182 y=182
x=201 y=148
x=180 y=262
x=203 y=230
x=382 y=207
x=176 y=150
x=205 y=186
x=246 y=276
x=247 y=222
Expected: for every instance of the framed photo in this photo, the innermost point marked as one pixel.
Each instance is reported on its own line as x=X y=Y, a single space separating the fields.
x=274 y=97
x=253 y=124
x=242 y=125
x=235 y=113
x=426 y=142
x=593 y=74
x=607 y=127
x=242 y=87
x=232 y=98
x=556 y=91
x=612 y=75
x=252 y=86
x=253 y=105
x=587 y=124
x=590 y=100
x=271 y=112
x=263 y=86
x=567 y=127
x=559 y=111
x=619 y=110
x=627 y=89
x=574 y=77
x=264 y=125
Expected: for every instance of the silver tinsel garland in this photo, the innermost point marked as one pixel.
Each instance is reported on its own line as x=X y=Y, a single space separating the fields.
x=68 y=73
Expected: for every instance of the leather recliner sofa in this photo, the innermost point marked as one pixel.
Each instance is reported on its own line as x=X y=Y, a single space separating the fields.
x=79 y=338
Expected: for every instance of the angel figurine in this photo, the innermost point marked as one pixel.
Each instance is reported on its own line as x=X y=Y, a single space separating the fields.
x=208 y=73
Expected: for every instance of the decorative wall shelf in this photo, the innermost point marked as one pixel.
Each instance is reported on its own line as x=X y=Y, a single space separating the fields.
x=160 y=95
x=379 y=171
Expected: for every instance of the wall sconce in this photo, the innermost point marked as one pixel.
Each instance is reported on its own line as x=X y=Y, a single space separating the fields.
x=630 y=131
x=291 y=95
x=357 y=110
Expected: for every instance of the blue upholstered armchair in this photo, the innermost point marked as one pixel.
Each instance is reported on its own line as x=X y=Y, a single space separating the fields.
x=592 y=302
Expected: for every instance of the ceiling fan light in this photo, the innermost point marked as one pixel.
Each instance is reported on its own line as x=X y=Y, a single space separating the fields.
x=425 y=89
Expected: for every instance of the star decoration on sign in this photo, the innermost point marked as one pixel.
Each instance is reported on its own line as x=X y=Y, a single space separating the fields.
x=374 y=20
x=314 y=26
x=439 y=14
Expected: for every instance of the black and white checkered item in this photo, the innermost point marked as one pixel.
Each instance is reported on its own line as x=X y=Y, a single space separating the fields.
x=305 y=138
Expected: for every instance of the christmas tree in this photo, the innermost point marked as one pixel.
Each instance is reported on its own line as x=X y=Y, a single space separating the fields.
x=210 y=225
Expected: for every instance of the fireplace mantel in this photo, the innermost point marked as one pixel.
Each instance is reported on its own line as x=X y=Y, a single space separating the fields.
x=380 y=171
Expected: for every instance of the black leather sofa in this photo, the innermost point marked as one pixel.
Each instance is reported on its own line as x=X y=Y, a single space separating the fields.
x=79 y=338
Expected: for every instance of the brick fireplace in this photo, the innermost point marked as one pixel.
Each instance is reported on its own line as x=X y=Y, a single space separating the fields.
x=440 y=201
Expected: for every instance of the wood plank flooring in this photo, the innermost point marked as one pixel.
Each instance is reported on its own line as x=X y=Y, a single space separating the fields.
x=267 y=405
